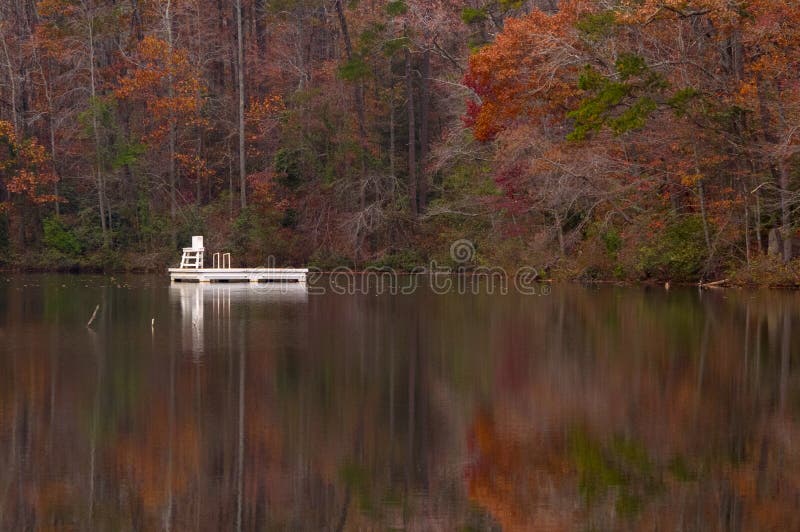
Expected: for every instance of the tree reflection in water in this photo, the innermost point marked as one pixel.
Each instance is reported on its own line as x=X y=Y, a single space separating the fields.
x=590 y=408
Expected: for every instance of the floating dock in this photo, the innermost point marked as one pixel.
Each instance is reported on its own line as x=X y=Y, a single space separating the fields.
x=193 y=270
x=237 y=275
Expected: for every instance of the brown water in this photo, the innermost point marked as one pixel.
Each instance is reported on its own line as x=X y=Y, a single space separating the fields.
x=585 y=409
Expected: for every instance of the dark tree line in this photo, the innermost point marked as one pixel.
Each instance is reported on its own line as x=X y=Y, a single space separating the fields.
x=592 y=139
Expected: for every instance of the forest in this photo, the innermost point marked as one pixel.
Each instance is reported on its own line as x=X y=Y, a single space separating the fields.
x=593 y=139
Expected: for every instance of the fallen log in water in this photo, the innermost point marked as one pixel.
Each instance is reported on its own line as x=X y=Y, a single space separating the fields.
x=714 y=284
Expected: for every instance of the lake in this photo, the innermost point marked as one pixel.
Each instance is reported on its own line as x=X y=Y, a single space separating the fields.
x=227 y=407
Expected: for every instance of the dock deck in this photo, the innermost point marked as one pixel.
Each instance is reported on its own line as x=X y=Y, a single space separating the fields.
x=238 y=275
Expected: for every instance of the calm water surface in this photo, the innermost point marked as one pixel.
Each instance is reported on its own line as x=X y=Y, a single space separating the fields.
x=586 y=409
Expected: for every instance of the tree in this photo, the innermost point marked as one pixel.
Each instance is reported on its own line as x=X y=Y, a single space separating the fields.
x=167 y=86
x=240 y=77
x=70 y=36
x=27 y=176
x=637 y=96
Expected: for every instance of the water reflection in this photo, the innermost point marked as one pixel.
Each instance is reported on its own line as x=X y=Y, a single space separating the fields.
x=194 y=298
x=587 y=409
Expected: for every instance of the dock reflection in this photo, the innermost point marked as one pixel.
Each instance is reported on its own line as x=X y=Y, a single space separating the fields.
x=199 y=301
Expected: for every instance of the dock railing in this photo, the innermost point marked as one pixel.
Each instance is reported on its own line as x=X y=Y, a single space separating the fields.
x=221 y=261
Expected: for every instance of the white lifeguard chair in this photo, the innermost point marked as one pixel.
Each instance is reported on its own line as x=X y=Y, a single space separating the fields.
x=193 y=257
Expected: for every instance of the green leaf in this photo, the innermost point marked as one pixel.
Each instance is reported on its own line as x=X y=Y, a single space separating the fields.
x=127 y=154
x=472 y=15
x=57 y=236
x=621 y=105
x=354 y=69
x=595 y=26
x=393 y=46
x=630 y=65
x=681 y=99
x=633 y=117
x=590 y=80
x=511 y=4
x=396 y=8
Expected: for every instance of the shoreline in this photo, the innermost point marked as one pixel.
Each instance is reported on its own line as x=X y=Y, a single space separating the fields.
x=716 y=284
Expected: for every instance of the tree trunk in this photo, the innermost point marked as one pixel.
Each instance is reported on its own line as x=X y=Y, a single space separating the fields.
x=51 y=129
x=424 y=130
x=240 y=63
x=562 y=247
x=199 y=176
x=781 y=173
x=359 y=92
x=12 y=84
x=53 y=158
x=774 y=243
x=136 y=20
x=362 y=130
x=260 y=7
x=704 y=216
x=412 y=142
x=702 y=196
x=173 y=207
x=747 y=244
x=759 y=243
x=200 y=51
x=786 y=226
x=392 y=171
x=96 y=133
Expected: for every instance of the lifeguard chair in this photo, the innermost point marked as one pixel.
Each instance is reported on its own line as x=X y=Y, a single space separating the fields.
x=193 y=257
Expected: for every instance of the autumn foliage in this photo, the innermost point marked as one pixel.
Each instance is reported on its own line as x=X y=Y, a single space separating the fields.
x=674 y=109
x=628 y=140
x=25 y=169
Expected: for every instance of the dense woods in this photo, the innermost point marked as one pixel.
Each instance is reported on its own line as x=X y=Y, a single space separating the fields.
x=626 y=139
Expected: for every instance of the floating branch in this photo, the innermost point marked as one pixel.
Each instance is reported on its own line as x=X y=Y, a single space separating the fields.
x=94 y=315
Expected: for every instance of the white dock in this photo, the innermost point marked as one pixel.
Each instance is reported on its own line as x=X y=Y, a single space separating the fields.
x=193 y=270
x=238 y=275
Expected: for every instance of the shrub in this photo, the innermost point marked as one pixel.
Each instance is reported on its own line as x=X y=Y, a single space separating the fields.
x=58 y=237
x=401 y=260
x=677 y=252
x=612 y=241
